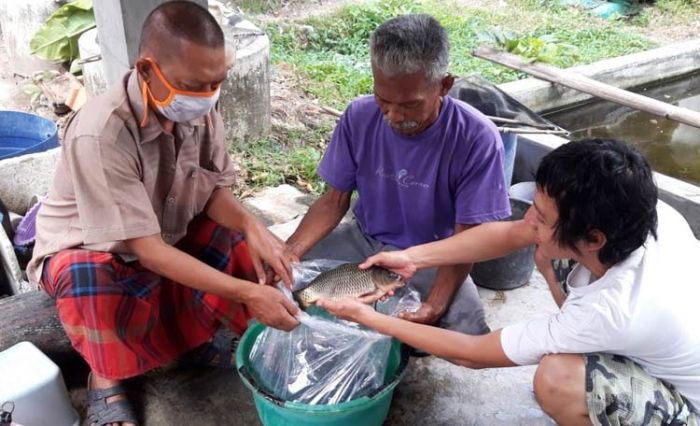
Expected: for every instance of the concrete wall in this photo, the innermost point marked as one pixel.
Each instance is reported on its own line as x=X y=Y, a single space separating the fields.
x=19 y=20
x=119 y=25
x=245 y=95
x=23 y=177
x=623 y=72
x=94 y=77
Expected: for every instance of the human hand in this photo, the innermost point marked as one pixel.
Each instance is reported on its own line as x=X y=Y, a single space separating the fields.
x=266 y=249
x=399 y=262
x=271 y=277
x=544 y=265
x=269 y=306
x=346 y=308
x=426 y=314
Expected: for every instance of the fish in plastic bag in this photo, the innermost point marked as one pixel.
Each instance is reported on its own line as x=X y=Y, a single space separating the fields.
x=325 y=360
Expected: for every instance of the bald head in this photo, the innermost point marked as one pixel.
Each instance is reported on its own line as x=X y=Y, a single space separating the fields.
x=173 y=22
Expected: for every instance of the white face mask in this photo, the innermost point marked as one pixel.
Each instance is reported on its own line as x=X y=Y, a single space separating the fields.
x=179 y=106
x=183 y=108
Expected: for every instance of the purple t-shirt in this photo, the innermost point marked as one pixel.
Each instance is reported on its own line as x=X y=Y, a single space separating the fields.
x=414 y=189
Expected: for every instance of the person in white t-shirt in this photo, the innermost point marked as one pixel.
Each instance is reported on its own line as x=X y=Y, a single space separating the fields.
x=624 y=348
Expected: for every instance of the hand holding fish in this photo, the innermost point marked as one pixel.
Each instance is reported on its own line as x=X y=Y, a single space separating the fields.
x=426 y=314
x=266 y=248
x=269 y=306
x=399 y=262
x=346 y=308
x=271 y=276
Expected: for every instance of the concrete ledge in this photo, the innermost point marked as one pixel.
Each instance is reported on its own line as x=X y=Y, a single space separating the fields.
x=278 y=205
x=624 y=72
x=23 y=177
x=682 y=196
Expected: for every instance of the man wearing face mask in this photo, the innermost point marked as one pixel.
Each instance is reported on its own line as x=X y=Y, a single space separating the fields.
x=425 y=166
x=140 y=240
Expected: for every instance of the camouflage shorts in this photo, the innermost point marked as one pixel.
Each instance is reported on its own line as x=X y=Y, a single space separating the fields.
x=619 y=392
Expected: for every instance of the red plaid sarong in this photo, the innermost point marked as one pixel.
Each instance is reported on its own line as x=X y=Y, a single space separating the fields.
x=125 y=320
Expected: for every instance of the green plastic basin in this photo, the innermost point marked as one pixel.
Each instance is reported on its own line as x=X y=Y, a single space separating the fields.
x=366 y=411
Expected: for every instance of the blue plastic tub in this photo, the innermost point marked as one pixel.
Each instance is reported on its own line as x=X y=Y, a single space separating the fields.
x=23 y=133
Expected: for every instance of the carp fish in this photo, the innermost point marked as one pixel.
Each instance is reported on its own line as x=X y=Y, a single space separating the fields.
x=348 y=280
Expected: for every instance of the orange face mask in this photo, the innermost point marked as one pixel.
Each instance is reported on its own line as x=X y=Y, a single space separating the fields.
x=180 y=105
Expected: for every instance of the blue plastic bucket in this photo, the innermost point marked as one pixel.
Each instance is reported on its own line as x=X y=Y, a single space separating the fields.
x=366 y=411
x=23 y=133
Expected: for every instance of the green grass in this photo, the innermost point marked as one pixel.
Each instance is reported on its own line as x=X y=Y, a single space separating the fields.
x=668 y=13
x=330 y=54
x=332 y=51
x=289 y=157
x=259 y=6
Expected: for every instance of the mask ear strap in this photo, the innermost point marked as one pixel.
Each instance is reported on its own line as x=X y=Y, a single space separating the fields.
x=144 y=95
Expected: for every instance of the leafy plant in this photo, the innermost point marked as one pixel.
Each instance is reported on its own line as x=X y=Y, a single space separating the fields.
x=285 y=158
x=57 y=39
x=545 y=48
x=32 y=87
x=330 y=55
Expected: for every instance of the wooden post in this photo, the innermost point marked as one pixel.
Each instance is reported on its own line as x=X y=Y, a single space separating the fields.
x=584 y=84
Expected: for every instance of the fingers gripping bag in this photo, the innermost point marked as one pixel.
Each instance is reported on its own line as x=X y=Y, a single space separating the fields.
x=325 y=360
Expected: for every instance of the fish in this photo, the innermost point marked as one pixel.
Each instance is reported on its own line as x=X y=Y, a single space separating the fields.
x=348 y=280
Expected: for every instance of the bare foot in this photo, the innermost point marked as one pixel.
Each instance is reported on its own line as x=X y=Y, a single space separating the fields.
x=97 y=382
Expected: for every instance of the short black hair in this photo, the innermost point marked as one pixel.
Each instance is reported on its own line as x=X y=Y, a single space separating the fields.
x=180 y=20
x=604 y=185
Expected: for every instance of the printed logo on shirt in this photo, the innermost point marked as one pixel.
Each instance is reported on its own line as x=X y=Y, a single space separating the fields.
x=402 y=178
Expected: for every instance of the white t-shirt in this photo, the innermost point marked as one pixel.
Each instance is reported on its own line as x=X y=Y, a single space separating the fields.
x=646 y=308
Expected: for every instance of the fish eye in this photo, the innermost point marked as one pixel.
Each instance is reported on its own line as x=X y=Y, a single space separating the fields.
x=394 y=275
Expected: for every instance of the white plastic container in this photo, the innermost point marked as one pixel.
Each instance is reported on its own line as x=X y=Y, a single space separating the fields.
x=524 y=191
x=34 y=383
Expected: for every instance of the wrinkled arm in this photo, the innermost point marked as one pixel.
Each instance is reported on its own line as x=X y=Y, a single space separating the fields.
x=264 y=247
x=224 y=209
x=323 y=216
x=165 y=260
x=444 y=287
x=266 y=303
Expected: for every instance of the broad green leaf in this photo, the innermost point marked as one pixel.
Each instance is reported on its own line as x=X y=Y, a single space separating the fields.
x=57 y=39
x=31 y=89
x=75 y=67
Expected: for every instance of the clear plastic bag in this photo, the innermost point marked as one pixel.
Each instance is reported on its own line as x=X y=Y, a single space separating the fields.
x=324 y=360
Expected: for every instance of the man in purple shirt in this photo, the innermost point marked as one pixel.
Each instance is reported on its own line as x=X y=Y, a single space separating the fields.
x=425 y=166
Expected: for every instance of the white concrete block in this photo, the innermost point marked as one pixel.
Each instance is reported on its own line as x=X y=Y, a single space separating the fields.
x=279 y=204
x=25 y=176
x=19 y=21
